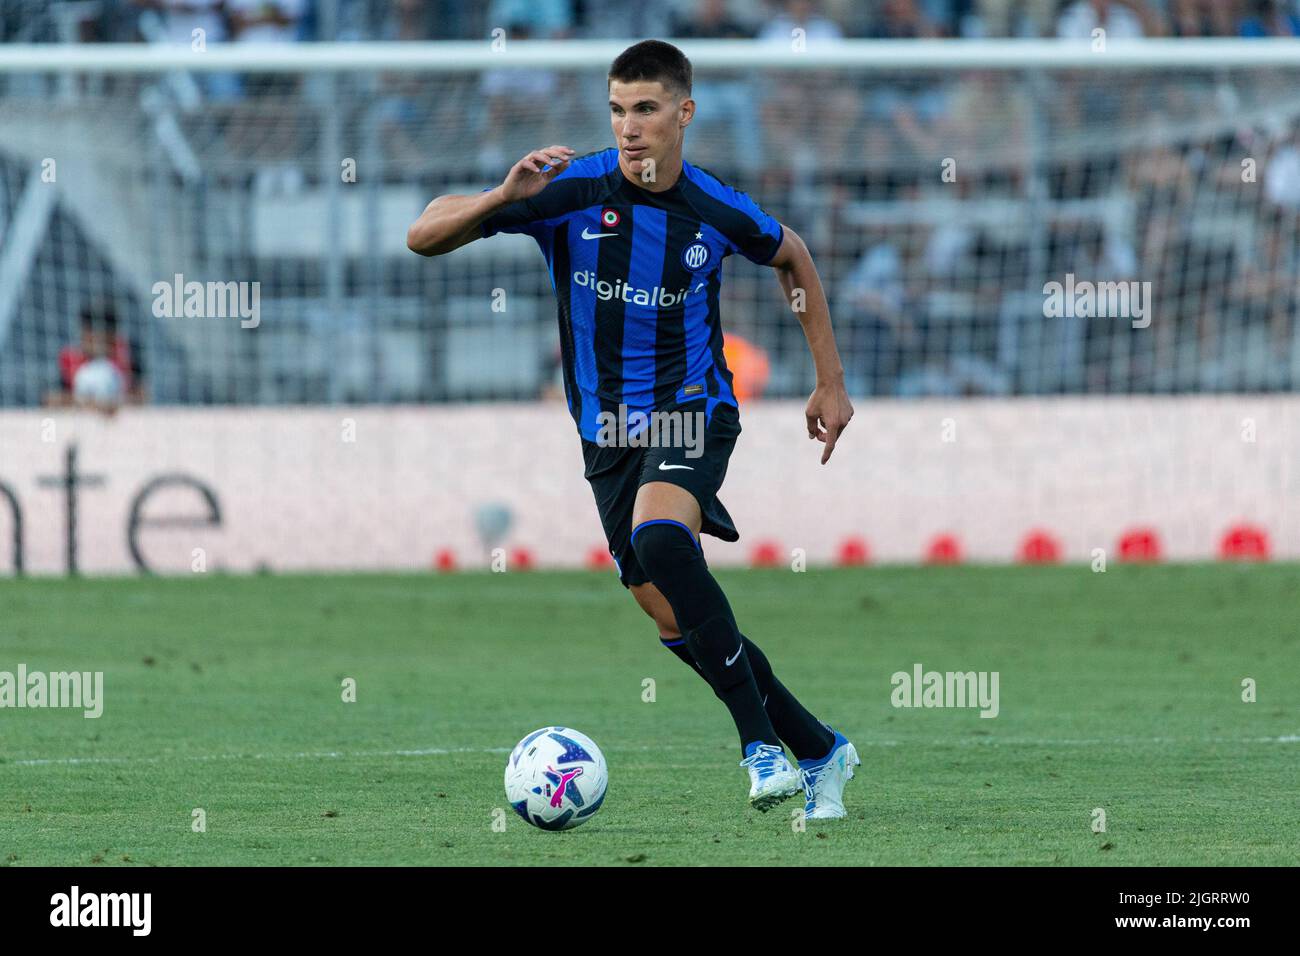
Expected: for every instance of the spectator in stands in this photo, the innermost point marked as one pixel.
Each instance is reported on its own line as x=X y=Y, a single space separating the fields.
x=192 y=23
x=1092 y=253
x=107 y=20
x=978 y=119
x=1120 y=19
x=806 y=116
x=901 y=20
x=1266 y=292
x=988 y=113
x=725 y=98
x=912 y=110
x=181 y=18
x=260 y=127
x=99 y=372
x=537 y=19
x=853 y=16
x=1201 y=18
x=266 y=21
x=519 y=101
x=1225 y=16
x=710 y=20
x=1282 y=171
x=1180 y=264
x=800 y=15
x=879 y=303
x=1270 y=18
x=1162 y=182
x=1006 y=18
x=74 y=21
x=407 y=21
x=642 y=18
x=400 y=108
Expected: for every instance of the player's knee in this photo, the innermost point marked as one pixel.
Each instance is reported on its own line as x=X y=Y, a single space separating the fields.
x=662 y=543
x=656 y=608
x=666 y=622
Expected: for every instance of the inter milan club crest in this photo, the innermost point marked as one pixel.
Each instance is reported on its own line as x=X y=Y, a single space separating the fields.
x=609 y=218
x=695 y=256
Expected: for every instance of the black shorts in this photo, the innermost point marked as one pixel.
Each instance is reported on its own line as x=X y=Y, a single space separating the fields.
x=617 y=472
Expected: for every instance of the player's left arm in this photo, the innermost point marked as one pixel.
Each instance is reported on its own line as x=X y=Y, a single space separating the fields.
x=828 y=410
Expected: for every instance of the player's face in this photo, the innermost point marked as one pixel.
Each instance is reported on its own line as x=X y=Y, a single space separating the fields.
x=94 y=342
x=648 y=123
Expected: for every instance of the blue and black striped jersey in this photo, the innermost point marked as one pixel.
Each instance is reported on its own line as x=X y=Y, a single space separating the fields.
x=637 y=276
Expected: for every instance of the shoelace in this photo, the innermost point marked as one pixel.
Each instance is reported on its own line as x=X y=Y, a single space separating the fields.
x=763 y=753
x=810 y=778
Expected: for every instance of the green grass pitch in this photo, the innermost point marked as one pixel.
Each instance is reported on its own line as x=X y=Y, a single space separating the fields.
x=1120 y=691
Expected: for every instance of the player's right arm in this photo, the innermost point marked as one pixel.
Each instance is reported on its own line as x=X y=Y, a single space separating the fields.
x=450 y=222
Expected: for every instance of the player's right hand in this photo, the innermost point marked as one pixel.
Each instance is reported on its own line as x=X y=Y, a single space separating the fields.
x=527 y=178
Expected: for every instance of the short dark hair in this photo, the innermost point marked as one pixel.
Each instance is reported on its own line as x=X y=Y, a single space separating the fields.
x=654 y=60
x=99 y=317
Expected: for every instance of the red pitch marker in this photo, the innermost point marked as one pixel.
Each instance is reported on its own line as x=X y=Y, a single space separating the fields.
x=944 y=549
x=445 y=560
x=599 y=559
x=1244 y=542
x=765 y=554
x=521 y=559
x=1139 y=544
x=853 y=551
x=1039 y=547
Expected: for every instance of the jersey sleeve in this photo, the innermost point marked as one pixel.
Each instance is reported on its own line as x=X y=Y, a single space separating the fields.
x=561 y=197
x=752 y=232
x=519 y=216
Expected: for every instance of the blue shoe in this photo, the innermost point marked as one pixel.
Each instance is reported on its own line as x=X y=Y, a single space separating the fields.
x=824 y=780
x=771 y=777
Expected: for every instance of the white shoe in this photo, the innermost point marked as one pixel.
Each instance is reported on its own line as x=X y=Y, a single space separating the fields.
x=824 y=780
x=771 y=777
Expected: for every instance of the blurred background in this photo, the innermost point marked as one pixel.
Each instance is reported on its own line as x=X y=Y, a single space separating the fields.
x=1187 y=177
x=942 y=195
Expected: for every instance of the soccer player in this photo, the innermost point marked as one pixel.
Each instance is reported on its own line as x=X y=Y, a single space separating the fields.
x=635 y=238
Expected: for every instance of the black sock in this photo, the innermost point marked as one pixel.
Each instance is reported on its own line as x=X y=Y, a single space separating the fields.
x=804 y=734
x=721 y=657
x=678 y=646
x=670 y=555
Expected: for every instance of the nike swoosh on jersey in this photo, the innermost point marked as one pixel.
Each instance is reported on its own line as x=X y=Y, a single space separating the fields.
x=596 y=235
x=664 y=466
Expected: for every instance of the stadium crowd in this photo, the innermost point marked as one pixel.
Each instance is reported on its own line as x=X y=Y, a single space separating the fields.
x=261 y=21
x=935 y=283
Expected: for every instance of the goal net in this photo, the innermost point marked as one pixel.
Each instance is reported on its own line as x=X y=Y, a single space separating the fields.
x=987 y=218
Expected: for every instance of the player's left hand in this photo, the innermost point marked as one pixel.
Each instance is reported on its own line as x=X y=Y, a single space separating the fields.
x=827 y=413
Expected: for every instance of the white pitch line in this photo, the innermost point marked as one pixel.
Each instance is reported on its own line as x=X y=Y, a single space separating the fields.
x=443 y=751
x=305 y=755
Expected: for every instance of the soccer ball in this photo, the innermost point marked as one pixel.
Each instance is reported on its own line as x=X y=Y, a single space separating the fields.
x=98 y=381
x=556 y=778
